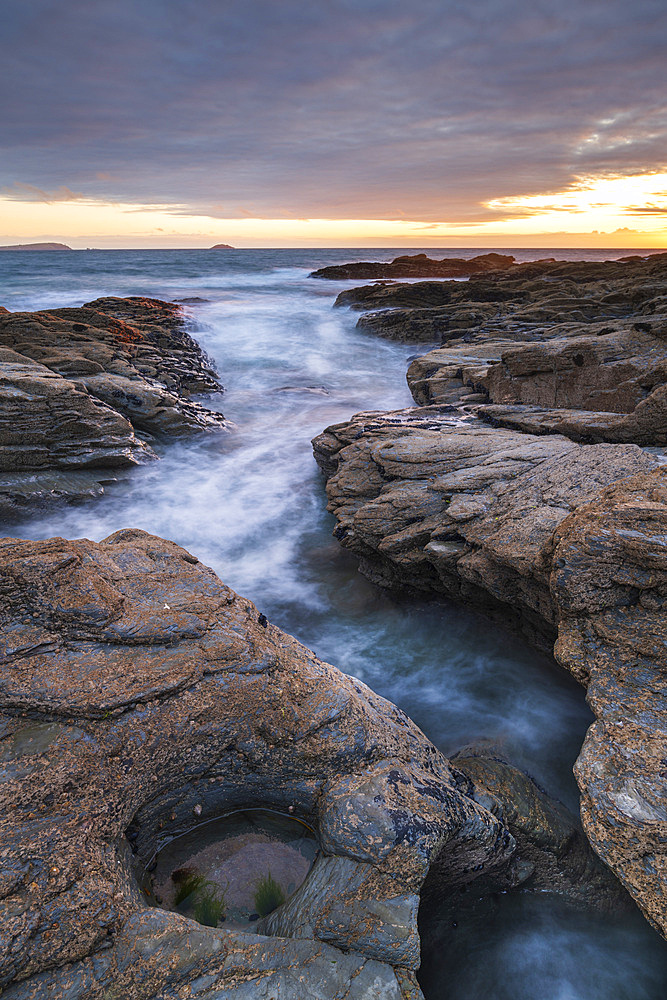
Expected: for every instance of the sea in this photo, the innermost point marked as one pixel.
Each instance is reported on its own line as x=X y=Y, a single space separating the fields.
x=252 y=505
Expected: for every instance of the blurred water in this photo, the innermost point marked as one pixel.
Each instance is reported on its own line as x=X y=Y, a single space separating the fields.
x=252 y=506
x=540 y=948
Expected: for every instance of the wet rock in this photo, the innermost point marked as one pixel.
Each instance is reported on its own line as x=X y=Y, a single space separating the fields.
x=416 y=266
x=609 y=584
x=552 y=855
x=159 y=692
x=519 y=486
x=48 y=423
x=84 y=388
x=557 y=538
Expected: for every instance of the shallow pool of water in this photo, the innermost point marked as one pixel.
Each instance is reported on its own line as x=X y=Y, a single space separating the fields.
x=232 y=870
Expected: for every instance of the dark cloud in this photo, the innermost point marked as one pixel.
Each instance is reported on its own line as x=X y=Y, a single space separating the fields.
x=332 y=108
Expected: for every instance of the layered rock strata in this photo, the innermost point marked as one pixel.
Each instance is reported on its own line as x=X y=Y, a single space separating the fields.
x=521 y=299
x=437 y=504
x=89 y=388
x=578 y=349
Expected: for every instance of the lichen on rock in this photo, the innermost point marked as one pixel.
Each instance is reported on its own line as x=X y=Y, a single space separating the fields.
x=138 y=692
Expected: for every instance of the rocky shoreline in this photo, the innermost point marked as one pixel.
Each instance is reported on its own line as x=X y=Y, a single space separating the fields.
x=85 y=391
x=140 y=696
x=525 y=486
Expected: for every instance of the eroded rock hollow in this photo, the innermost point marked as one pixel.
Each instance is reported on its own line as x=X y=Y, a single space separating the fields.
x=139 y=696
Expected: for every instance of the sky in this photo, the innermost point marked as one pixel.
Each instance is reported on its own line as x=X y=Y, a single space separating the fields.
x=334 y=123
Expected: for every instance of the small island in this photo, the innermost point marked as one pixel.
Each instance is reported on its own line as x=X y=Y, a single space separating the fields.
x=38 y=246
x=222 y=246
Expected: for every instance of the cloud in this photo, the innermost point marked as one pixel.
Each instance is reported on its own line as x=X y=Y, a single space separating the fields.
x=337 y=109
x=28 y=192
x=645 y=210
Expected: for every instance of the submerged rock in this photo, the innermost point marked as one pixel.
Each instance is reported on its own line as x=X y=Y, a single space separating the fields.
x=552 y=855
x=86 y=388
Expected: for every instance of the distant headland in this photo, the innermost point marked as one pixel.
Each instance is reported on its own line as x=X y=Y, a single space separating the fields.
x=222 y=246
x=37 y=246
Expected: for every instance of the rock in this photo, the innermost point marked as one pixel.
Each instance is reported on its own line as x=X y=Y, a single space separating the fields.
x=611 y=387
x=47 y=421
x=536 y=301
x=448 y=374
x=609 y=585
x=417 y=266
x=19 y=490
x=165 y=349
x=560 y=539
x=134 y=687
x=552 y=855
x=80 y=387
x=646 y=425
x=610 y=372
x=591 y=380
x=466 y=511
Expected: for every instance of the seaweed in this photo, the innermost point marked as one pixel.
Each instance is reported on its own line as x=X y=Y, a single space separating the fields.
x=206 y=899
x=189 y=882
x=268 y=895
x=210 y=904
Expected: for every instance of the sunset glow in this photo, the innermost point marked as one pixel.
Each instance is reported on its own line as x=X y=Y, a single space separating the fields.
x=613 y=211
x=341 y=124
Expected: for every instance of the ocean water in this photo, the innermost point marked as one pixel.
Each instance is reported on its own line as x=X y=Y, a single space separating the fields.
x=252 y=505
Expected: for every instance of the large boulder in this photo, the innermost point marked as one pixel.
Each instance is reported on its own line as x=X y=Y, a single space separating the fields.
x=139 y=696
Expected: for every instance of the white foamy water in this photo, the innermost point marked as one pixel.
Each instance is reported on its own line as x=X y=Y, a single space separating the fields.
x=252 y=505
